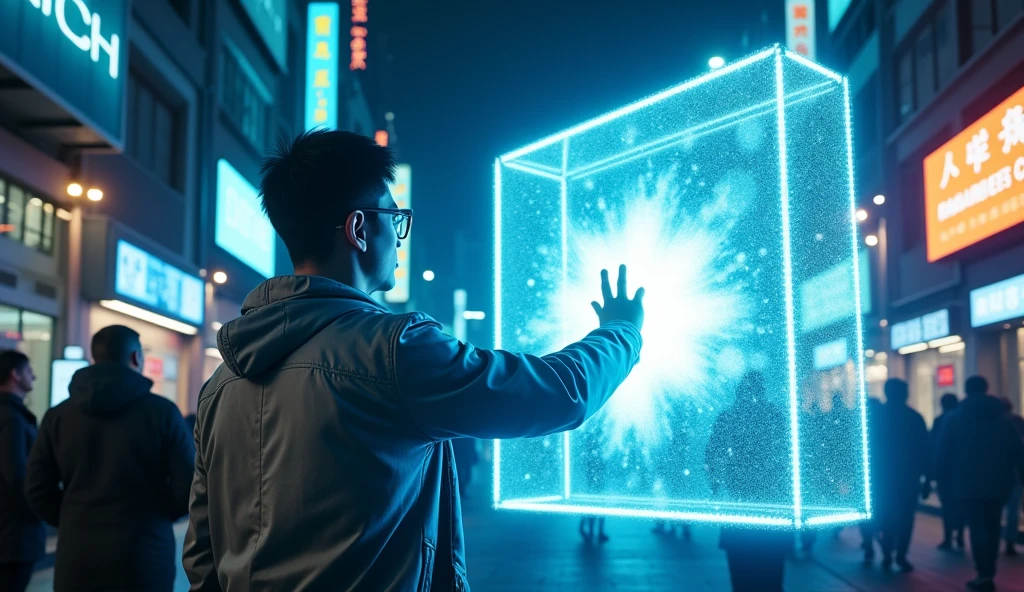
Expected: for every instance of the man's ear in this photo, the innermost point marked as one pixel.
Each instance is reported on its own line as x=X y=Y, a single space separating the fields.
x=355 y=230
x=135 y=359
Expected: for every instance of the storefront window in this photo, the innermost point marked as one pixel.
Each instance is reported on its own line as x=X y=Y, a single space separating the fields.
x=932 y=374
x=32 y=334
x=26 y=217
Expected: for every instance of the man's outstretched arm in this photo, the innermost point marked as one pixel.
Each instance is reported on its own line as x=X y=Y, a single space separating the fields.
x=452 y=389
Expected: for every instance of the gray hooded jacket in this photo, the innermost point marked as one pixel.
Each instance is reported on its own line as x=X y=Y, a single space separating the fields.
x=323 y=455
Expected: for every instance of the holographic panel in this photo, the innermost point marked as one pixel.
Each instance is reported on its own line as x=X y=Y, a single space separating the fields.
x=722 y=195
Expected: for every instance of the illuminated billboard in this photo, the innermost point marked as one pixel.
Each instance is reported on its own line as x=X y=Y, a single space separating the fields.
x=75 y=52
x=149 y=280
x=322 y=65
x=800 y=27
x=998 y=302
x=241 y=227
x=974 y=184
x=721 y=195
x=401 y=190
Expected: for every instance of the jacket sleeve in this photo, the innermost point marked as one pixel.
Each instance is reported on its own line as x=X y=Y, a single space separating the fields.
x=14 y=464
x=197 y=552
x=42 y=481
x=179 y=459
x=451 y=389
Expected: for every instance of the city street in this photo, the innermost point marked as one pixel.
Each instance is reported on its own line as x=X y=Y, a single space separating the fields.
x=539 y=553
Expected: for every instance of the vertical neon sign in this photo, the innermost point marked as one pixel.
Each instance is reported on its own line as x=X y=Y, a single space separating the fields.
x=322 y=66
x=357 y=59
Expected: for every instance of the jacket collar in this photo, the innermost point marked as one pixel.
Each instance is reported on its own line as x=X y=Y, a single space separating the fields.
x=18 y=404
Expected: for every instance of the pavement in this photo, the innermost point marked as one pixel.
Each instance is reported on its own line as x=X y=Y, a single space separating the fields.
x=514 y=551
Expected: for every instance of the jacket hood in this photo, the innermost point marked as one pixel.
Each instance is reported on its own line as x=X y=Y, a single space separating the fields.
x=282 y=314
x=981 y=405
x=104 y=388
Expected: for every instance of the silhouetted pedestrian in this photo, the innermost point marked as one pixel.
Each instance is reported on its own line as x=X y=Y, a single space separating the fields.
x=748 y=459
x=111 y=469
x=903 y=460
x=591 y=526
x=952 y=514
x=22 y=534
x=1012 y=524
x=869 y=528
x=980 y=450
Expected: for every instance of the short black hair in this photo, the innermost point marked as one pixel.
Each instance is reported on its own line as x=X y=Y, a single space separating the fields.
x=976 y=385
x=312 y=183
x=114 y=344
x=11 y=360
x=949 y=401
x=896 y=388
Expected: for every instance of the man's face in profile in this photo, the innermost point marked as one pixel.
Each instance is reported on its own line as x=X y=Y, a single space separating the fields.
x=384 y=244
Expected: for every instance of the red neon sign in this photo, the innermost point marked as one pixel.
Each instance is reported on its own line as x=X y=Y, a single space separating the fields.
x=945 y=375
x=357 y=57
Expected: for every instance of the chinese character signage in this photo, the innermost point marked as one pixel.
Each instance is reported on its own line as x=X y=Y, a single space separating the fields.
x=998 y=302
x=357 y=55
x=322 y=65
x=800 y=27
x=74 y=52
x=270 y=17
x=931 y=326
x=974 y=185
x=401 y=190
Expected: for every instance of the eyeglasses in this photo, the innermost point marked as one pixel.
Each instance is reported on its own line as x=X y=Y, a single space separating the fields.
x=401 y=219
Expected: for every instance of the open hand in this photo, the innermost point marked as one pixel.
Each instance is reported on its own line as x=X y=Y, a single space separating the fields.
x=619 y=307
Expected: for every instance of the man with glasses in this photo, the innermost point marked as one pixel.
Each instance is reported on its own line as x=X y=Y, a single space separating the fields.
x=324 y=457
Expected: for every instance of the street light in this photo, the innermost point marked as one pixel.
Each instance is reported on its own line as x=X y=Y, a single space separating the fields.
x=871 y=240
x=74 y=190
x=716 y=62
x=94 y=194
x=428 y=276
x=862 y=214
x=879 y=199
x=219 y=277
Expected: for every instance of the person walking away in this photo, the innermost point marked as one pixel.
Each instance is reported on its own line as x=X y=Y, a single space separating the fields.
x=1013 y=508
x=980 y=450
x=869 y=528
x=748 y=461
x=952 y=515
x=111 y=470
x=324 y=457
x=22 y=534
x=903 y=459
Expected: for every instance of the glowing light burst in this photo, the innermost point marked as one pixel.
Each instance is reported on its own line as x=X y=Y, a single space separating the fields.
x=695 y=299
x=726 y=196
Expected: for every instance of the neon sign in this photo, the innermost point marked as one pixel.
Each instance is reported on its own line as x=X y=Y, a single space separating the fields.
x=322 y=65
x=91 y=41
x=360 y=9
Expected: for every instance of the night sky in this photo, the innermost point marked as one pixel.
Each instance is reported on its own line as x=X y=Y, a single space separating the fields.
x=472 y=79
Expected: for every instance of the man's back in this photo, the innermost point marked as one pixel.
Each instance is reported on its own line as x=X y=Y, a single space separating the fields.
x=905 y=455
x=111 y=468
x=979 y=450
x=324 y=460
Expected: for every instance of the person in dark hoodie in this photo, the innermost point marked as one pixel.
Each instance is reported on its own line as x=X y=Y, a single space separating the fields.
x=902 y=461
x=111 y=470
x=979 y=452
x=324 y=456
x=748 y=459
x=952 y=516
x=22 y=534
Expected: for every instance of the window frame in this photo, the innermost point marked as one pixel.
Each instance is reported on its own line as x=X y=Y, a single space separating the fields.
x=46 y=234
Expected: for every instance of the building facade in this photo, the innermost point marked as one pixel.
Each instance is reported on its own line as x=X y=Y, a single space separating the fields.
x=167 y=108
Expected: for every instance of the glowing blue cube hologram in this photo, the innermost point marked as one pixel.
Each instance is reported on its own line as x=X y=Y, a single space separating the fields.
x=725 y=196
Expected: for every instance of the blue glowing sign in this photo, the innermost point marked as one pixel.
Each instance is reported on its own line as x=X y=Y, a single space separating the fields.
x=322 y=65
x=74 y=51
x=270 y=18
x=720 y=194
x=831 y=354
x=828 y=297
x=242 y=228
x=931 y=326
x=148 y=280
x=998 y=302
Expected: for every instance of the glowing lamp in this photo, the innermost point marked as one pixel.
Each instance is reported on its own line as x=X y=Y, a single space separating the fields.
x=723 y=195
x=716 y=62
